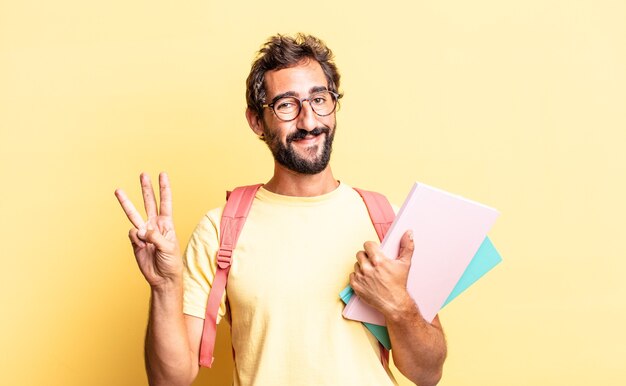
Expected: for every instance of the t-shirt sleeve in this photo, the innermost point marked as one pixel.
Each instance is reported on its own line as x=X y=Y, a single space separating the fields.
x=200 y=266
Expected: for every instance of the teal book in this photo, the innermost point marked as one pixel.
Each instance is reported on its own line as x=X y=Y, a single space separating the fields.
x=485 y=259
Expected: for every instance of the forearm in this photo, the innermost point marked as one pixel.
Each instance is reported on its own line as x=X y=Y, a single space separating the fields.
x=169 y=358
x=419 y=347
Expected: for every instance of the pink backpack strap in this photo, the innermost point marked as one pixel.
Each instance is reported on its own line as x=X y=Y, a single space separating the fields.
x=234 y=216
x=380 y=211
x=382 y=215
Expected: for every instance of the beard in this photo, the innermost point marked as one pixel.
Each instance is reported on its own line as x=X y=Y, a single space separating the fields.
x=286 y=155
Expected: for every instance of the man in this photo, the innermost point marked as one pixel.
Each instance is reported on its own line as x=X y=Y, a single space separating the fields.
x=294 y=255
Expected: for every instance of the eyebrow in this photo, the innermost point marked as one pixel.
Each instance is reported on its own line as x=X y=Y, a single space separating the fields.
x=312 y=90
x=315 y=89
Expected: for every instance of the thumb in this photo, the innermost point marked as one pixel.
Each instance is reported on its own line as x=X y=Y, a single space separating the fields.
x=154 y=237
x=406 y=246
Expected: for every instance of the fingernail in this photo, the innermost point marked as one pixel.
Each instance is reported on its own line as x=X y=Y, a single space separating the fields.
x=141 y=233
x=411 y=235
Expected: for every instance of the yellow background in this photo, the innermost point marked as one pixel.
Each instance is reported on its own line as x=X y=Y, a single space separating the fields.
x=520 y=105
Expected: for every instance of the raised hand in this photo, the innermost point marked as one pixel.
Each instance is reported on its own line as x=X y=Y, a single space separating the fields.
x=154 y=239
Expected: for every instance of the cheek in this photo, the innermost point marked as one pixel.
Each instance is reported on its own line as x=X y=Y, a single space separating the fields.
x=284 y=129
x=329 y=121
x=275 y=132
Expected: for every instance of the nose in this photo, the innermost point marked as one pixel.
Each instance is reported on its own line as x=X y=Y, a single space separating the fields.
x=307 y=118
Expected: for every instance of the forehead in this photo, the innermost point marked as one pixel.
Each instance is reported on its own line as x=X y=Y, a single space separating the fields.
x=299 y=79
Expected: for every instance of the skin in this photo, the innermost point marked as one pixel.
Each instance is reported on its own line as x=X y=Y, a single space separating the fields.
x=173 y=339
x=299 y=80
x=419 y=347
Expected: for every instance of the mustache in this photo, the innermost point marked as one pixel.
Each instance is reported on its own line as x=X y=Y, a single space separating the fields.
x=301 y=134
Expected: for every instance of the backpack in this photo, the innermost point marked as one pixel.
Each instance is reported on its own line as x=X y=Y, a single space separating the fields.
x=238 y=203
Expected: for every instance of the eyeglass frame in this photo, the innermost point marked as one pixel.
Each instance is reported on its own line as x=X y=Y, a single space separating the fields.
x=335 y=96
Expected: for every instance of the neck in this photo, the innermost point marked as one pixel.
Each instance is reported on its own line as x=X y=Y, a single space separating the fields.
x=289 y=183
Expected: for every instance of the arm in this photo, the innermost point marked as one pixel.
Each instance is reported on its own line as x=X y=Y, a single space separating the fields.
x=172 y=339
x=419 y=347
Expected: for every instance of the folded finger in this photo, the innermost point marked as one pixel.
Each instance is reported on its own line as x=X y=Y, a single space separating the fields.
x=128 y=207
x=354 y=283
x=371 y=248
x=149 y=201
x=357 y=268
x=134 y=239
x=373 y=252
x=362 y=259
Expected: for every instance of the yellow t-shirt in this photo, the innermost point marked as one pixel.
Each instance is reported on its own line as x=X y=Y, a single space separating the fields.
x=293 y=257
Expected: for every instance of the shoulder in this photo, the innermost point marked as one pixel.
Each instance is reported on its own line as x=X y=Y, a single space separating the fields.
x=207 y=230
x=209 y=223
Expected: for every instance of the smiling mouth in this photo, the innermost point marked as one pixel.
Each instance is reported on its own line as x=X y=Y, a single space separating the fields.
x=308 y=138
x=310 y=142
x=307 y=135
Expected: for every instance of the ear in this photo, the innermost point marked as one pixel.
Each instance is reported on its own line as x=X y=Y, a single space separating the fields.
x=254 y=121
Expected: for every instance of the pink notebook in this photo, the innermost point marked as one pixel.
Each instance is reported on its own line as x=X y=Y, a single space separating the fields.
x=447 y=230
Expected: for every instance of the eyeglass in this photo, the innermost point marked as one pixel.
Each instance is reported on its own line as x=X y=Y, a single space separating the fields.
x=288 y=108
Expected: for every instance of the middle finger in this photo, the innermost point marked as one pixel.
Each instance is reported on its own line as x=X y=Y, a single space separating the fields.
x=149 y=201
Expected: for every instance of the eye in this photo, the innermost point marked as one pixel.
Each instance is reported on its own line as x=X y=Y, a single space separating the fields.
x=319 y=100
x=285 y=105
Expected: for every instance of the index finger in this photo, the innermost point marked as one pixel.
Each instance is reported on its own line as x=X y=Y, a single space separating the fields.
x=165 y=194
x=371 y=247
x=132 y=213
x=373 y=252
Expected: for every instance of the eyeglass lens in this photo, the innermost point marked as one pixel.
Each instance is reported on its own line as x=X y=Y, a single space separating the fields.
x=288 y=108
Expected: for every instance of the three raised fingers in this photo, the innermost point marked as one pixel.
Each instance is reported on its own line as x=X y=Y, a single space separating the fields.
x=149 y=200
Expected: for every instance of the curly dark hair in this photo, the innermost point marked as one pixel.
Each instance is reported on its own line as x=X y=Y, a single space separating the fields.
x=282 y=51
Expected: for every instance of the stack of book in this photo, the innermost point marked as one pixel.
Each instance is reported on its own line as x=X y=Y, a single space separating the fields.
x=452 y=251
